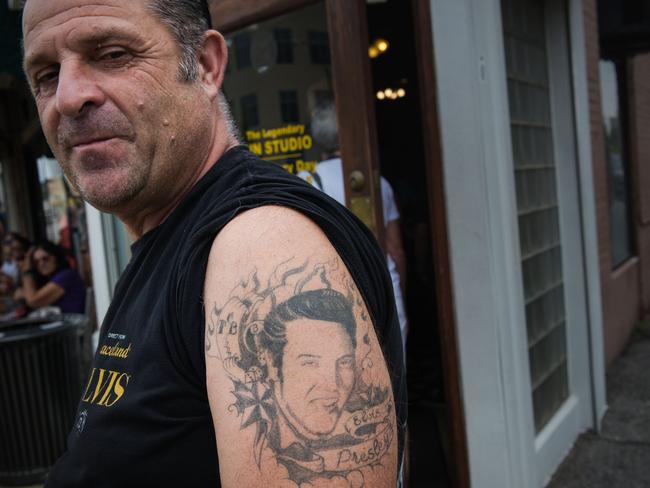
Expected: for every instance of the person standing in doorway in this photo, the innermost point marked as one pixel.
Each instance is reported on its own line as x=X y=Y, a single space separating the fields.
x=328 y=177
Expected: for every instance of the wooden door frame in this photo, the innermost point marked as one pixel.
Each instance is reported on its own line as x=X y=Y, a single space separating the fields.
x=230 y=15
x=438 y=224
x=356 y=112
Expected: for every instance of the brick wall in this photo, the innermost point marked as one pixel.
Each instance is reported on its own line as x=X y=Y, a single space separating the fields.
x=639 y=77
x=598 y=147
x=621 y=288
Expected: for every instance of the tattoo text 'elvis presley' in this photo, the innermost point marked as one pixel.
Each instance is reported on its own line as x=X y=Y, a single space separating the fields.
x=298 y=353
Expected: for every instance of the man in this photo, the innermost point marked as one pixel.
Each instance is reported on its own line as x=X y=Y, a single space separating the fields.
x=308 y=410
x=128 y=94
x=293 y=337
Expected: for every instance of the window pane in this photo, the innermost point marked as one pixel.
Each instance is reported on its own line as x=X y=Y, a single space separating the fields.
x=319 y=47
x=537 y=204
x=620 y=230
x=243 y=50
x=250 y=115
x=289 y=106
x=284 y=42
x=290 y=77
x=64 y=211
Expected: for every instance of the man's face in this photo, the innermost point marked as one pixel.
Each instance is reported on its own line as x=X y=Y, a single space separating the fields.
x=318 y=372
x=105 y=78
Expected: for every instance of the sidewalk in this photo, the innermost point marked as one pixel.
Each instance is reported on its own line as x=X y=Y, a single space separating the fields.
x=619 y=456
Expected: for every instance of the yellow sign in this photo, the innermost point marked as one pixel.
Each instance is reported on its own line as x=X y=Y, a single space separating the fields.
x=285 y=146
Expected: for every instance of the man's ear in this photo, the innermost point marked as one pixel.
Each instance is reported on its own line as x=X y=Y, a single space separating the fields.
x=213 y=58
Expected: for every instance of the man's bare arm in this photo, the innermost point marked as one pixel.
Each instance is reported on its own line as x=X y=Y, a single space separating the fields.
x=298 y=387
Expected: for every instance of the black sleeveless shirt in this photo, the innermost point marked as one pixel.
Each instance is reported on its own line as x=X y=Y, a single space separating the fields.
x=144 y=418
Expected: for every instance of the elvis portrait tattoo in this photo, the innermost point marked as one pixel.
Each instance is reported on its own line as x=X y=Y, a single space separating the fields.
x=296 y=348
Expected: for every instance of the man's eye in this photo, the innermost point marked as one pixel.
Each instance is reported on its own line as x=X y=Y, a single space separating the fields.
x=45 y=81
x=346 y=362
x=113 y=54
x=310 y=363
x=47 y=77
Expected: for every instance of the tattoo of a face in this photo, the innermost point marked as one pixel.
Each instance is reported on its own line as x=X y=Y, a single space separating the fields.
x=298 y=353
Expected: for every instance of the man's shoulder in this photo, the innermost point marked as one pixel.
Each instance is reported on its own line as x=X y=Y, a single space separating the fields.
x=268 y=223
x=288 y=328
x=242 y=158
x=239 y=173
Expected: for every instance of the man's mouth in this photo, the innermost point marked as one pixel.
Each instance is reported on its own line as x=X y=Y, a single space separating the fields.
x=98 y=153
x=90 y=142
x=330 y=404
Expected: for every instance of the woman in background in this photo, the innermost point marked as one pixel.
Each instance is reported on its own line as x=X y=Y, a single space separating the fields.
x=14 y=250
x=49 y=281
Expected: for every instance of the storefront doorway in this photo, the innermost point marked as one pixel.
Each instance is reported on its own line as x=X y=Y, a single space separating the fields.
x=292 y=61
x=403 y=163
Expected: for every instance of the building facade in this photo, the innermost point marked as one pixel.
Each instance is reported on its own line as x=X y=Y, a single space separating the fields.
x=512 y=132
x=618 y=66
x=522 y=224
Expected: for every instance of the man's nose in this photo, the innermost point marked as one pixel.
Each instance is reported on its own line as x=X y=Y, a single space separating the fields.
x=77 y=89
x=329 y=378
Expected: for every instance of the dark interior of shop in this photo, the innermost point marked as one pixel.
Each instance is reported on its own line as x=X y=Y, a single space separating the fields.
x=402 y=162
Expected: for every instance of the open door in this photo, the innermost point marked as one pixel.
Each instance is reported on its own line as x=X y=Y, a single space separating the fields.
x=287 y=58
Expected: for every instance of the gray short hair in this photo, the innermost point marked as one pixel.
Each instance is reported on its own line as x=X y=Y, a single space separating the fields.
x=229 y=120
x=324 y=126
x=187 y=22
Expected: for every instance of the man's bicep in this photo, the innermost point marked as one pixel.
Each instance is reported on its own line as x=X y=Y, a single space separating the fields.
x=297 y=382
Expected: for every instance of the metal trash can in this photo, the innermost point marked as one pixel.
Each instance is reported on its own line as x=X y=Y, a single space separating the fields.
x=39 y=391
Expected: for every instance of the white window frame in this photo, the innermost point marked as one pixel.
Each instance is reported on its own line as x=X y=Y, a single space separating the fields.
x=484 y=248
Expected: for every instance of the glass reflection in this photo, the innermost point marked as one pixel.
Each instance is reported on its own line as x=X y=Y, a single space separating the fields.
x=280 y=71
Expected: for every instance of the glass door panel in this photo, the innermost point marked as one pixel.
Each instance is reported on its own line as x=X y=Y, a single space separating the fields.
x=279 y=76
x=537 y=204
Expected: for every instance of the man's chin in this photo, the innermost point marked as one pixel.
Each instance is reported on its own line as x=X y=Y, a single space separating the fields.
x=107 y=198
x=108 y=189
x=324 y=428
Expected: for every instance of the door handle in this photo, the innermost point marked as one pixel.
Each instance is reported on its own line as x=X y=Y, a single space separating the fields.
x=357 y=180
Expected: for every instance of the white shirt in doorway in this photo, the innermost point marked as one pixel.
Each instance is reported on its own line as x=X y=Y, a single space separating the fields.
x=329 y=178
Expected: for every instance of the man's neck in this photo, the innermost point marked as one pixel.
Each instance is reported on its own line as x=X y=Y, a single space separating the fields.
x=139 y=223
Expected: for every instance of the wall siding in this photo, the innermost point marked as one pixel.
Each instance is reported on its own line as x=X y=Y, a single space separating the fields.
x=621 y=288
